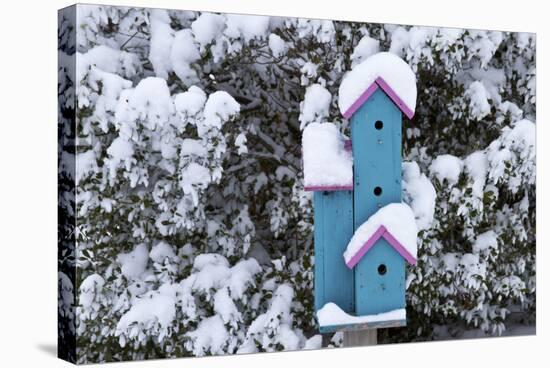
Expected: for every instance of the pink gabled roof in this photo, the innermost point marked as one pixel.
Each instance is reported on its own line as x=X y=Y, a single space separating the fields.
x=382 y=232
x=379 y=82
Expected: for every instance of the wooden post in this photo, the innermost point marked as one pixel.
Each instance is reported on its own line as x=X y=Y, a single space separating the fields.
x=360 y=338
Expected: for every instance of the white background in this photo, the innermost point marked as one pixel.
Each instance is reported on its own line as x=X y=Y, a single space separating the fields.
x=28 y=139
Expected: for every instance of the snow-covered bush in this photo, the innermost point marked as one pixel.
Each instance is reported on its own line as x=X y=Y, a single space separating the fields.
x=194 y=232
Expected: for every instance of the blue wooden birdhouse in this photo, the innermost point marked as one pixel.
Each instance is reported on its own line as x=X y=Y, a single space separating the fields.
x=363 y=234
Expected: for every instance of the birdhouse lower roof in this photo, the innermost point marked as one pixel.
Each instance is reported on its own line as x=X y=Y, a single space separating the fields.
x=395 y=223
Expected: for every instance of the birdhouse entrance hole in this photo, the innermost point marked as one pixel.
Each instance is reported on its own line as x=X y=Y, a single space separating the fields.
x=378 y=124
x=382 y=269
x=377 y=191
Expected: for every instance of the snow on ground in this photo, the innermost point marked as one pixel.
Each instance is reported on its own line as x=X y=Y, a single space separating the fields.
x=419 y=193
x=446 y=167
x=326 y=161
x=332 y=315
x=395 y=72
x=315 y=106
x=397 y=218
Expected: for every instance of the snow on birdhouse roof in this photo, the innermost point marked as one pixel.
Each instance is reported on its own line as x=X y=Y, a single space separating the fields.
x=328 y=163
x=383 y=70
x=395 y=223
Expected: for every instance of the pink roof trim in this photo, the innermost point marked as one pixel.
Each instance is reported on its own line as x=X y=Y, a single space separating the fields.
x=381 y=232
x=379 y=82
x=327 y=188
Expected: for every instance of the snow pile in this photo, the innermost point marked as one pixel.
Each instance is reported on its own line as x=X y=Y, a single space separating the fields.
x=476 y=167
x=150 y=102
x=446 y=167
x=154 y=311
x=184 y=53
x=332 y=315
x=485 y=241
x=277 y=45
x=207 y=27
x=89 y=289
x=162 y=38
x=190 y=103
x=479 y=104
x=315 y=106
x=161 y=252
x=219 y=107
x=210 y=337
x=134 y=263
x=395 y=72
x=120 y=153
x=515 y=148
x=246 y=26
x=399 y=221
x=274 y=326
x=366 y=47
x=326 y=161
x=419 y=193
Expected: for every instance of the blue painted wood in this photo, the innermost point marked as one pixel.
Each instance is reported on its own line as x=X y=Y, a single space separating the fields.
x=378 y=293
x=377 y=163
x=333 y=229
x=376 y=156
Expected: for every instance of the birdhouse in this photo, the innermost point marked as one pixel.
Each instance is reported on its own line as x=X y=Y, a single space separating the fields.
x=363 y=234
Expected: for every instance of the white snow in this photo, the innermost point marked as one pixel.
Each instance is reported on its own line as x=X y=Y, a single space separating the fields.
x=120 y=152
x=246 y=26
x=476 y=167
x=219 y=107
x=332 y=315
x=326 y=161
x=149 y=102
x=207 y=27
x=209 y=337
x=277 y=45
x=396 y=72
x=419 y=193
x=184 y=53
x=162 y=38
x=162 y=251
x=190 y=103
x=315 y=106
x=446 y=167
x=397 y=218
x=485 y=241
x=134 y=263
x=193 y=147
x=90 y=287
x=314 y=342
x=479 y=104
x=149 y=309
x=366 y=47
